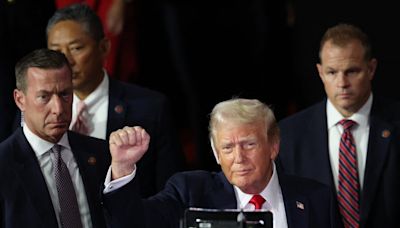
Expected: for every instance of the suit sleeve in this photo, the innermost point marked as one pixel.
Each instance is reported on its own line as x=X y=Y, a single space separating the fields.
x=125 y=207
x=170 y=157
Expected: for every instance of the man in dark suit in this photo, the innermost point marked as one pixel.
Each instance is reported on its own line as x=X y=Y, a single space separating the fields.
x=310 y=140
x=19 y=22
x=30 y=193
x=245 y=140
x=110 y=104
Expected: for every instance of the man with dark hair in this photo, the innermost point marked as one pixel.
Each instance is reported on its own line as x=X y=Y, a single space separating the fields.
x=102 y=104
x=350 y=141
x=50 y=176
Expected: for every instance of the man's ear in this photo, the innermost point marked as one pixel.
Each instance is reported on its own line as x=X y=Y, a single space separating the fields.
x=320 y=71
x=19 y=98
x=105 y=46
x=214 y=151
x=274 y=150
x=372 y=64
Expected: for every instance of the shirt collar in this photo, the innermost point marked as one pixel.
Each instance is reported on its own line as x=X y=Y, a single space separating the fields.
x=41 y=146
x=361 y=117
x=270 y=192
x=97 y=94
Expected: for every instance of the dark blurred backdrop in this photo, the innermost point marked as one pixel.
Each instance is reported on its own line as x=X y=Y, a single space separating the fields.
x=202 y=52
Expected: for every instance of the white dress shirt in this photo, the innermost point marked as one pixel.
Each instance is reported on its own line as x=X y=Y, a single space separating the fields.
x=272 y=193
x=97 y=109
x=360 y=133
x=43 y=154
x=112 y=185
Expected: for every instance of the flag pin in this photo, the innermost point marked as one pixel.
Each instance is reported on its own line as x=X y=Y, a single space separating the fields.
x=300 y=205
x=119 y=109
x=92 y=161
x=385 y=133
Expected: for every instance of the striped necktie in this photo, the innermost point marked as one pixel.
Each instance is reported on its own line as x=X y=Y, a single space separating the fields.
x=81 y=122
x=349 y=184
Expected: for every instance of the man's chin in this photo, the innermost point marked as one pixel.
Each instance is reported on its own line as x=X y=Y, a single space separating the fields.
x=58 y=128
x=54 y=135
x=241 y=181
x=247 y=187
x=346 y=105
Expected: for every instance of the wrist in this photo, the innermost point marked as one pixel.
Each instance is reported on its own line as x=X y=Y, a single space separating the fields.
x=120 y=170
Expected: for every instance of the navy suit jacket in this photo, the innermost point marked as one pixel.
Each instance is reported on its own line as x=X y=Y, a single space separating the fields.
x=24 y=197
x=204 y=189
x=304 y=152
x=131 y=105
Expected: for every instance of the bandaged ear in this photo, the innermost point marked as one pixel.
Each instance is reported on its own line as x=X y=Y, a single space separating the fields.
x=214 y=150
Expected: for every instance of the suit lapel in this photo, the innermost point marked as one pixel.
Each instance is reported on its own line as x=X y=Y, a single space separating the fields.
x=32 y=180
x=87 y=161
x=378 y=147
x=221 y=194
x=116 y=109
x=318 y=155
x=296 y=205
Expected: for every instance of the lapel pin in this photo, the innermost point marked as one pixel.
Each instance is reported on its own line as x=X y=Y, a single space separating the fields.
x=300 y=205
x=119 y=109
x=92 y=161
x=385 y=133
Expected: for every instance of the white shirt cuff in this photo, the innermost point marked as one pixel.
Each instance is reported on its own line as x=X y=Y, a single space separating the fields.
x=117 y=183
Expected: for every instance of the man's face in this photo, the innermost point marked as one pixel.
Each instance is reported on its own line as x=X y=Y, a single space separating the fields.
x=346 y=76
x=245 y=155
x=47 y=102
x=84 y=53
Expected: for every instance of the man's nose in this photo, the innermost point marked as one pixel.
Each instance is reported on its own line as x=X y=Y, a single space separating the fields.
x=57 y=105
x=342 y=80
x=239 y=154
x=69 y=57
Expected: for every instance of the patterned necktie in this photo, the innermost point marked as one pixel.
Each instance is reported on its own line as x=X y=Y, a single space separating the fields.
x=81 y=123
x=257 y=201
x=349 y=185
x=69 y=211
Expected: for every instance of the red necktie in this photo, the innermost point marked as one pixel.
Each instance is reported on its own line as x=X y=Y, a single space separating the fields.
x=80 y=124
x=349 y=185
x=257 y=201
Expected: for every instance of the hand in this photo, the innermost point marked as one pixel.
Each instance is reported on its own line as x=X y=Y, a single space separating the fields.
x=115 y=17
x=127 y=146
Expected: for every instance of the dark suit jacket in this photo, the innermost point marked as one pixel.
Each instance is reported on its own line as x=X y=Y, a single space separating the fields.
x=24 y=197
x=204 y=189
x=304 y=152
x=131 y=105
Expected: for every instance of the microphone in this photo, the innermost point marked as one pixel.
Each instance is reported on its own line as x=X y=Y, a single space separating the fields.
x=241 y=219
